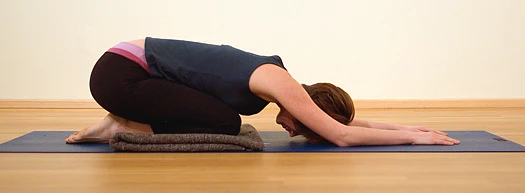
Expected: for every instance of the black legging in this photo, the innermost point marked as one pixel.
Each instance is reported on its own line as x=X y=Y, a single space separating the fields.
x=125 y=89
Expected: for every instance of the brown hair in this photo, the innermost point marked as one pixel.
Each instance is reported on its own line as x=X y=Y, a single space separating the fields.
x=334 y=101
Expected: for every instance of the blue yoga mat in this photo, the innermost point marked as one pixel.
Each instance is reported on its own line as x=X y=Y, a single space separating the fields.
x=471 y=141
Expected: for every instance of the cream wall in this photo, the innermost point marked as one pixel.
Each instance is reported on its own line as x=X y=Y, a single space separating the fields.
x=399 y=49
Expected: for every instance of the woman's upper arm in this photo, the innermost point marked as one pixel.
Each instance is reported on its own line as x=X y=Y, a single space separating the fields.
x=275 y=84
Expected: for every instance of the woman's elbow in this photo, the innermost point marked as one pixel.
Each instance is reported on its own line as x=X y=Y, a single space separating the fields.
x=345 y=140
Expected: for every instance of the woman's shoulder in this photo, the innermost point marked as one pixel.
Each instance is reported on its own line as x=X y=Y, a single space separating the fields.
x=266 y=78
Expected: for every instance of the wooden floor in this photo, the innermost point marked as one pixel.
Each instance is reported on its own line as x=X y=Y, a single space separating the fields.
x=268 y=172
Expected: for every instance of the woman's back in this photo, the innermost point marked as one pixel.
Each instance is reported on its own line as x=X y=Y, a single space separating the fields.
x=220 y=71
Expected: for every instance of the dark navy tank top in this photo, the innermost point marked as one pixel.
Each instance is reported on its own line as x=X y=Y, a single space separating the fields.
x=220 y=71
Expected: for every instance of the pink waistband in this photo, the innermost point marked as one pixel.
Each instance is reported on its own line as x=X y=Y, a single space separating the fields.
x=132 y=52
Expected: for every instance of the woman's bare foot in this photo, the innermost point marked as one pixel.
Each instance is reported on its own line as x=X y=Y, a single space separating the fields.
x=102 y=132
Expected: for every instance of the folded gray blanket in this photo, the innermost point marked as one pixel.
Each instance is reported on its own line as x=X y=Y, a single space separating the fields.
x=247 y=140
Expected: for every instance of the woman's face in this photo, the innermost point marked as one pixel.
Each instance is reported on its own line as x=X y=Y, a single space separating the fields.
x=286 y=120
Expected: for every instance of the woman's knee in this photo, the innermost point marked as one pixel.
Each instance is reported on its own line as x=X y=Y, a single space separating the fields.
x=233 y=124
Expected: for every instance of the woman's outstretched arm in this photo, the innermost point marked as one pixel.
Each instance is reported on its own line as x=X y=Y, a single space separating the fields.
x=392 y=126
x=275 y=84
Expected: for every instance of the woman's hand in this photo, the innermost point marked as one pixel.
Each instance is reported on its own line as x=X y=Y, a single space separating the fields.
x=432 y=138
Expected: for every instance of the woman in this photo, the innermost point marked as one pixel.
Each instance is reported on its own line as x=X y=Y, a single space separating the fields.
x=157 y=85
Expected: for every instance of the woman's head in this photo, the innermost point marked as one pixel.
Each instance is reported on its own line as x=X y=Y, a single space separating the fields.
x=333 y=100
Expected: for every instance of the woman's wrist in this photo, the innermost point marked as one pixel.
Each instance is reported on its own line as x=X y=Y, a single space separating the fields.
x=401 y=127
x=387 y=126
